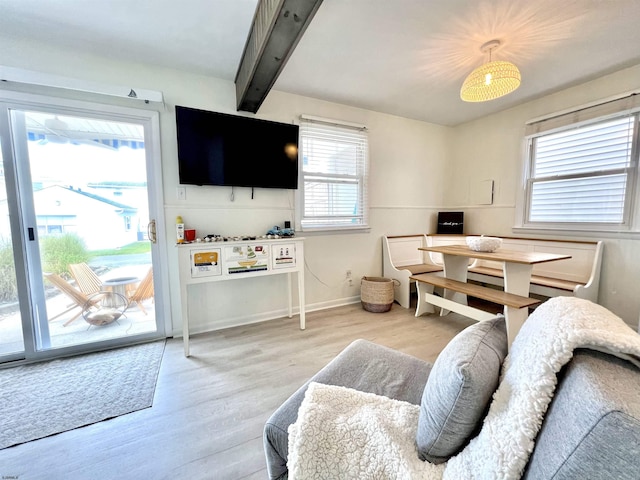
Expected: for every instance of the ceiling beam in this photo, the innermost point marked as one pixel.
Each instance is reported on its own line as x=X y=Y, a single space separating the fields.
x=277 y=28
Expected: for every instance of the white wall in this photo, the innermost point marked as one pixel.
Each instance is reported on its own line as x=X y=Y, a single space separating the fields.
x=401 y=203
x=408 y=160
x=493 y=148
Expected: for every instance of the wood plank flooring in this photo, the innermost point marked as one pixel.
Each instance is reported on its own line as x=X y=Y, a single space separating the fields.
x=209 y=410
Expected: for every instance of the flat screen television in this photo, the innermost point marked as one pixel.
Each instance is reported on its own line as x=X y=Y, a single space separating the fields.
x=230 y=150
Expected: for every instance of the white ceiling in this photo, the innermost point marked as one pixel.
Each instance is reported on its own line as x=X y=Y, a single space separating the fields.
x=404 y=57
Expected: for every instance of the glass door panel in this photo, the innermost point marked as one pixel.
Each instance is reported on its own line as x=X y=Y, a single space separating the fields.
x=90 y=200
x=88 y=212
x=11 y=334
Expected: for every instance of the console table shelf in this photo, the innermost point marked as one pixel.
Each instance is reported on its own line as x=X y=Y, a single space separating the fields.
x=222 y=261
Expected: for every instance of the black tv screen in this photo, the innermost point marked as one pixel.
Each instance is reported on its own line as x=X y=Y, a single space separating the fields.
x=221 y=149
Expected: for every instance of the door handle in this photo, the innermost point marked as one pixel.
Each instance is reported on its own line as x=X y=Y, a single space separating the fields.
x=31 y=234
x=151 y=231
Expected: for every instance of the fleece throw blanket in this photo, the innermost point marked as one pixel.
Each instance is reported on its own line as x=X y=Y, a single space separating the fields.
x=347 y=434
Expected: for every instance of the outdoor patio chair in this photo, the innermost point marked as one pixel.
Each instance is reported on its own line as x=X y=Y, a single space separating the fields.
x=144 y=291
x=87 y=280
x=80 y=300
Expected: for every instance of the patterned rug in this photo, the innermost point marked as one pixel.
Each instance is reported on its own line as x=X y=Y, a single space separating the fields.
x=51 y=397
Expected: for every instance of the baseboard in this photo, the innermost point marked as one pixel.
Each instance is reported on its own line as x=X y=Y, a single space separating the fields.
x=265 y=316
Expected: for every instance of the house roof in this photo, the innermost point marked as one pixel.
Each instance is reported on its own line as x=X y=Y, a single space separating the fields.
x=93 y=196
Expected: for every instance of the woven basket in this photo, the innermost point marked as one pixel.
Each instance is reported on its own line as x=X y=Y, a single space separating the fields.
x=376 y=294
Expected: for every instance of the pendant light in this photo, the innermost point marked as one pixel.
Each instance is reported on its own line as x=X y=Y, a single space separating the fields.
x=490 y=80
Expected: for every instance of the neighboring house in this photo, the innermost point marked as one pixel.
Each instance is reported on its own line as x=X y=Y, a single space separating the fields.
x=100 y=222
x=130 y=193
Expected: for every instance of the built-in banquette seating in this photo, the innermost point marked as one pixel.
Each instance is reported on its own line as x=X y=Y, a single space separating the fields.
x=578 y=276
x=401 y=258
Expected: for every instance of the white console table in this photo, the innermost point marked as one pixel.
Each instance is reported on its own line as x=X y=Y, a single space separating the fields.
x=235 y=260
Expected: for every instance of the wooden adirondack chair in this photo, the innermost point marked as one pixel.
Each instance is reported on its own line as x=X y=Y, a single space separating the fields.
x=87 y=280
x=144 y=291
x=79 y=299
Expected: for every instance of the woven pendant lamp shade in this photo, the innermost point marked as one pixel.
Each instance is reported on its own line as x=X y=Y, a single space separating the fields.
x=489 y=81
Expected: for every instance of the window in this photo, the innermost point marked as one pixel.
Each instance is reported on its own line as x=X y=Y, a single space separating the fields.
x=332 y=193
x=582 y=171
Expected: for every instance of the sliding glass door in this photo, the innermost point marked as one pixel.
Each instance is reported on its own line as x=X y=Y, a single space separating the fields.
x=82 y=208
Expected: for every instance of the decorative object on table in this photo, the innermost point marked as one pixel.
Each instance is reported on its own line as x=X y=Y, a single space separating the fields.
x=484 y=244
x=189 y=235
x=376 y=294
x=451 y=223
x=277 y=232
x=179 y=229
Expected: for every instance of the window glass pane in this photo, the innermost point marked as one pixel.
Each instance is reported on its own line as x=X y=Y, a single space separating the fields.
x=591 y=199
x=322 y=156
x=334 y=170
x=324 y=199
x=584 y=174
x=588 y=149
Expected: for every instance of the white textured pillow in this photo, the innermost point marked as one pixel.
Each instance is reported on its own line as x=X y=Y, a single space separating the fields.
x=459 y=389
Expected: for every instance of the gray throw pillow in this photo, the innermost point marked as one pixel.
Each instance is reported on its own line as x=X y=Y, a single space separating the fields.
x=459 y=389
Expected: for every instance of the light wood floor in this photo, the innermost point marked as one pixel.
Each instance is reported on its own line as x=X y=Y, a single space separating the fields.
x=208 y=412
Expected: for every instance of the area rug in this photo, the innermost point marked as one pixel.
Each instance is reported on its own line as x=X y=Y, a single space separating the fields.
x=51 y=397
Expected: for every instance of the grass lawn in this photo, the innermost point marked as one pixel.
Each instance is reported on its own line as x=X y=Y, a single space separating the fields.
x=135 y=247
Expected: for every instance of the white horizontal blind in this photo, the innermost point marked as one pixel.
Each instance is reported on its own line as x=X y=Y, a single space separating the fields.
x=334 y=176
x=582 y=175
x=629 y=104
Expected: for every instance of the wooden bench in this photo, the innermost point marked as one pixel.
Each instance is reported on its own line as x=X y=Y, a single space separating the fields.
x=426 y=298
x=401 y=259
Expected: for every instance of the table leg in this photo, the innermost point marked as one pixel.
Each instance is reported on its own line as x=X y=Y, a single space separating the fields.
x=455 y=268
x=517 y=278
x=301 y=299
x=289 y=296
x=184 y=307
x=514 y=319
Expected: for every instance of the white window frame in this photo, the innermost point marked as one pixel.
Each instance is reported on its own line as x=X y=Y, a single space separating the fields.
x=311 y=127
x=624 y=106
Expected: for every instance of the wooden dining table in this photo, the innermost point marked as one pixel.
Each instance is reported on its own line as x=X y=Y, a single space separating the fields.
x=517 y=269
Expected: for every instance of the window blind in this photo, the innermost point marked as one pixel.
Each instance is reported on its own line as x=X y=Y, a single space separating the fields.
x=334 y=175
x=582 y=175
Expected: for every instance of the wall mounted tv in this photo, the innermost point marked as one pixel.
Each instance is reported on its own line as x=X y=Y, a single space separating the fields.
x=220 y=149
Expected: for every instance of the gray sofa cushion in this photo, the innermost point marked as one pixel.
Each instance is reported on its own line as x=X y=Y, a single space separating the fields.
x=459 y=389
x=592 y=427
x=364 y=366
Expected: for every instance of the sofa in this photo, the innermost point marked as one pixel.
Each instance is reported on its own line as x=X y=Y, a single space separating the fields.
x=591 y=428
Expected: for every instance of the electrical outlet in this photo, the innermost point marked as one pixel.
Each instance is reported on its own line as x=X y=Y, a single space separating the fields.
x=181 y=193
x=349 y=278
x=348 y=275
